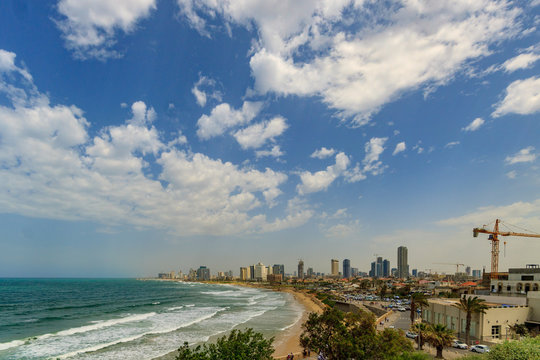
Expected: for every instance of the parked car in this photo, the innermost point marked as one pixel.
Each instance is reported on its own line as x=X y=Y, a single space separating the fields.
x=459 y=344
x=402 y=309
x=411 y=335
x=480 y=348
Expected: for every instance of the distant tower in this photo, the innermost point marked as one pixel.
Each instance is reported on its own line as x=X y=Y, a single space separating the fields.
x=379 y=267
x=335 y=267
x=386 y=268
x=468 y=270
x=300 y=269
x=402 y=265
x=346 y=268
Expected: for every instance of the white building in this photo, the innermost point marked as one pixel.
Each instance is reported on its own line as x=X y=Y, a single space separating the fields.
x=260 y=272
x=520 y=281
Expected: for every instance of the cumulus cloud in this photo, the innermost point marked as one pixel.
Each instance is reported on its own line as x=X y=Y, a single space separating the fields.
x=522 y=156
x=522 y=61
x=274 y=152
x=511 y=174
x=307 y=48
x=400 y=147
x=203 y=89
x=323 y=153
x=89 y=27
x=50 y=167
x=321 y=180
x=522 y=97
x=474 y=125
x=374 y=148
x=257 y=135
x=342 y=231
x=223 y=117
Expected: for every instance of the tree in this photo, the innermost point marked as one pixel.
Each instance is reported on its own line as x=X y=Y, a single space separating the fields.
x=341 y=336
x=471 y=306
x=383 y=290
x=238 y=345
x=420 y=329
x=440 y=337
x=525 y=349
x=519 y=330
x=418 y=301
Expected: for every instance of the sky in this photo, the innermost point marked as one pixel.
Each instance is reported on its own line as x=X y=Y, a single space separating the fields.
x=144 y=136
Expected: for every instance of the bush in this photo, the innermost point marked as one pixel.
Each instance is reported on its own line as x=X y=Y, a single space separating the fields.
x=247 y=345
x=526 y=349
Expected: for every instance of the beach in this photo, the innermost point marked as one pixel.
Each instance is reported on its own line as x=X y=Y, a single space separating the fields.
x=289 y=340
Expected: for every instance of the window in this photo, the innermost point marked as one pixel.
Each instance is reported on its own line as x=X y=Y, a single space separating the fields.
x=527 y=277
x=496 y=331
x=508 y=288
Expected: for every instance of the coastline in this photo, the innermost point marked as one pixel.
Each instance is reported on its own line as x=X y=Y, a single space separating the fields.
x=288 y=340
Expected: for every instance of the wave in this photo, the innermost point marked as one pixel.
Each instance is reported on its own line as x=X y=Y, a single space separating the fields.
x=11 y=344
x=175 y=308
x=138 y=336
x=190 y=305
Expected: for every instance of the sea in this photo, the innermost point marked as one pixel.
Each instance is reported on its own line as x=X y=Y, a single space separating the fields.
x=129 y=318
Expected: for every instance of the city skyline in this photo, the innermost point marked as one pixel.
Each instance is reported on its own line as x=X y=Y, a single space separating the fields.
x=143 y=136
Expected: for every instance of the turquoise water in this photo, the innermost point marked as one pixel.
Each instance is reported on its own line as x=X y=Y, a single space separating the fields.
x=127 y=318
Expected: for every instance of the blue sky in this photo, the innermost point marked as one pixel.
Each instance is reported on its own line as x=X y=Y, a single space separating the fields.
x=148 y=135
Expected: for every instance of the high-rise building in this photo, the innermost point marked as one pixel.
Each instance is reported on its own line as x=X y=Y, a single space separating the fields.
x=300 y=269
x=393 y=272
x=372 y=272
x=260 y=272
x=379 y=267
x=402 y=265
x=310 y=272
x=252 y=272
x=334 y=267
x=279 y=269
x=468 y=270
x=414 y=272
x=203 y=273
x=354 y=272
x=244 y=273
x=346 y=268
x=386 y=268
x=477 y=274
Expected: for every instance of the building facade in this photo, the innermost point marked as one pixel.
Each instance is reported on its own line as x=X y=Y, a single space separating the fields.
x=402 y=264
x=386 y=268
x=346 y=268
x=520 y=281
x=494 y=325
x=203 y=273
x=260 y=272
x=334 y=266
x=300 y=269
x=279 y=269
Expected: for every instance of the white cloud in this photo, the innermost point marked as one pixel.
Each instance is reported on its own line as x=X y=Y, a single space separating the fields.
x=399 y=148
x=323 y=153
x=522 y=156
x=89 y=27
x=203 y=89
x=374 y=148
x=256 y=135
x=51 y=168
x=321 y=180
x=511 y=174
x=522 y=97
x=451 y=144
x=357 y=69
x=7 y=64
x=274 y=152
x=342 y=231
x=474 y=125
x=522 y=61
x=223 y=117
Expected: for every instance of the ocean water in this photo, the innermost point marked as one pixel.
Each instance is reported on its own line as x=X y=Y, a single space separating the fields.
x=128 y=318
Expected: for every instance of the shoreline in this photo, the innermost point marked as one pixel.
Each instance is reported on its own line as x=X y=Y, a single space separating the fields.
x=285 y=341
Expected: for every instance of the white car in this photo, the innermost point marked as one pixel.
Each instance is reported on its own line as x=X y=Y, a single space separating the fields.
x=459 y=345
x=480 y=348
x=411 y=335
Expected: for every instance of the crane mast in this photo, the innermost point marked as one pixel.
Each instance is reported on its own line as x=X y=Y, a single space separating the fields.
x=494 y=237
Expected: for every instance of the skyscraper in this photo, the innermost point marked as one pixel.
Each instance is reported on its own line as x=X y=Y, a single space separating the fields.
x=279 y=269
x=378 y=267
x=334 y=267
x=260 y=272
x=203 y=273
x=300 y=269
x=386 y=268
x=372 y=272
x=346 y=268
x=402 y=265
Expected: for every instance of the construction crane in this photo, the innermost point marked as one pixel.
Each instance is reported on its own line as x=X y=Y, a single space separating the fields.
x=494 y=237
x=456 y=264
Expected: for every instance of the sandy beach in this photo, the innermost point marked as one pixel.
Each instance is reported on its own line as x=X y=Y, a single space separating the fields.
x=289 y=340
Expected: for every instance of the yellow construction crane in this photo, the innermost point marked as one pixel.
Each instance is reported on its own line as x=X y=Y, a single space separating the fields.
x=494 y=237
x=456 y=265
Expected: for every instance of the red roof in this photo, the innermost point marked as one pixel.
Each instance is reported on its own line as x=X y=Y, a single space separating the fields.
x=469 y=283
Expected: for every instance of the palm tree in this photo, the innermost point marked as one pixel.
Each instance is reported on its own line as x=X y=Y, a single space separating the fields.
x=440 y=337
x=471 y=306
x=420 y=329
x=418 y=301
